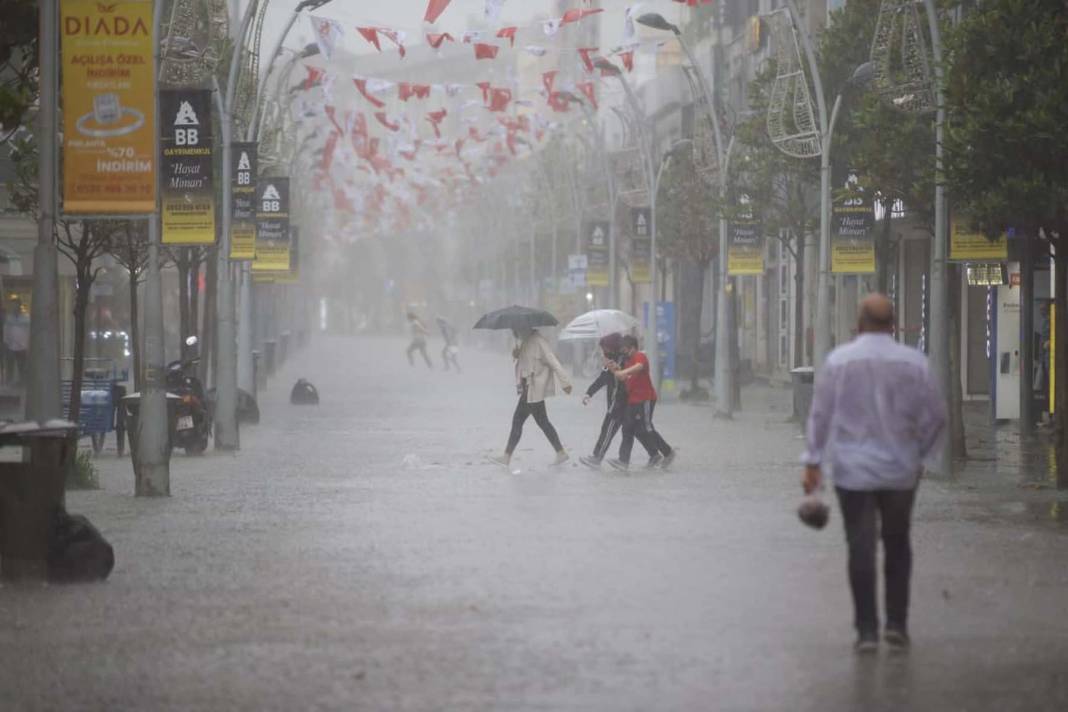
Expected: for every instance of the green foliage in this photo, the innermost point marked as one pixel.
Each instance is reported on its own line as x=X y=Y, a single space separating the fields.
x=687 y=213
x=1007 y=100
x=892 y=151
x=83 y=475
x=780 y=187
x=18 y=63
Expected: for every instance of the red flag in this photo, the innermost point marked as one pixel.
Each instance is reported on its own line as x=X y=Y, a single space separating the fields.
x=435 y=40
x=332 y=115
x=585 y=52
x=435 y=118
x=473 y=133
x=577 y=14
x=361 y=86
x=508 y=33
x=628 y=60
x=548 y=78
x=485 y=51
x=434 y=9
x=371 y=35
x=558 y=102
x=499 y=99
x=385 y=121
x=328 y=150
x=485 y=87
x=588 y=89
x=315 y=76
x=421 y=91
x=406 y=91
x=394 y=37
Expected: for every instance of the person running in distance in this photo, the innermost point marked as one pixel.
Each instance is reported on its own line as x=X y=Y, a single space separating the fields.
x=419 y=332
x=536 y=372
x=641 y=402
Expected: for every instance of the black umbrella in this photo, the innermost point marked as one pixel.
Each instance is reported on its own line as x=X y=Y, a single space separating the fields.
x=516 y=317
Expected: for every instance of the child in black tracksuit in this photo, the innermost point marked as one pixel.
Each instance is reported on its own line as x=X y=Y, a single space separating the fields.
x=616 y=394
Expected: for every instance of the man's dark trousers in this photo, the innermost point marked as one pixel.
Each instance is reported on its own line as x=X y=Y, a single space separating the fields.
x=888 y=512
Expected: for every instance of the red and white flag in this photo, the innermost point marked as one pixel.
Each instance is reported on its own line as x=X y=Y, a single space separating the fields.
x=327 y=33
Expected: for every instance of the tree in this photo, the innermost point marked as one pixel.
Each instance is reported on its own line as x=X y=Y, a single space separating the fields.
x=687 y=216
x=892 y=151
x=1007 y=103
x=18 y=65
x=129 y=247
x=781 y=191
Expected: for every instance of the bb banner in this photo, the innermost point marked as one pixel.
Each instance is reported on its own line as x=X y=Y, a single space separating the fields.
x=272 y=225
x=187 y=191
x=640 y=248
x=852 y=219
x=968 y=245
x=597 y=253
x=243 y=189
x=109 y=118
x=745 y=253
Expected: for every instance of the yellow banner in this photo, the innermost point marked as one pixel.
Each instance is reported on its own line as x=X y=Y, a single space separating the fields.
x=242 y=241
x=271 y=258
x=849 y=256
x=967 y=245
x=109 y=122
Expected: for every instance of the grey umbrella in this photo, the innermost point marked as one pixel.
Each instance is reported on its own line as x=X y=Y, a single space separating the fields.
x=516 y=317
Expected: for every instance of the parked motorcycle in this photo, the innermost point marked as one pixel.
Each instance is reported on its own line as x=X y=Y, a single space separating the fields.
x=193 y=411
x=189 y=412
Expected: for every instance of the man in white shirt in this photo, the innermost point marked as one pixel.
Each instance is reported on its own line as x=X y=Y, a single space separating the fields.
x=877 y=414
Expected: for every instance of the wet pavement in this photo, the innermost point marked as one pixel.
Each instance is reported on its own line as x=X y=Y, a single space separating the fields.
x=361 y=555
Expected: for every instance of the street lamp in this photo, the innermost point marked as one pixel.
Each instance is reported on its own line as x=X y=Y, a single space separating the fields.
x=645 y=145
x=724 y=374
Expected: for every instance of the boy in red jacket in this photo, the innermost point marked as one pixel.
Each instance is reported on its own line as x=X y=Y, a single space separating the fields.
x=641 y=402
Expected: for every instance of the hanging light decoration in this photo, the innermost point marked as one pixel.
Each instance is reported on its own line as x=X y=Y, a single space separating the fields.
x=902 y=77
x=791 y=121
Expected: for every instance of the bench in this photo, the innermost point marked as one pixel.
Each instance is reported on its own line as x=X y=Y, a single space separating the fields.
x=31 y=491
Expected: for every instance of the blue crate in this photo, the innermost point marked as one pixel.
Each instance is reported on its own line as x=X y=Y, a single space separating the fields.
x=98 y=407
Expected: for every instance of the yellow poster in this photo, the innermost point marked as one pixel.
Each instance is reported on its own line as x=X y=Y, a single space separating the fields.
x=968 y=245
x=242 y=240
x=109 y=123
x=852 y=256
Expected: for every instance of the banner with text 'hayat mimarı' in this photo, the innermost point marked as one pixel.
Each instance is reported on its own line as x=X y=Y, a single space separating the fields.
x=187 y=189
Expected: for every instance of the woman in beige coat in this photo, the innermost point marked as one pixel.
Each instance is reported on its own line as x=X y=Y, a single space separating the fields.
x=536 y=371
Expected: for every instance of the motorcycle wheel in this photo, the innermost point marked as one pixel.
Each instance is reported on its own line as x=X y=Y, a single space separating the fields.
x=197 y=446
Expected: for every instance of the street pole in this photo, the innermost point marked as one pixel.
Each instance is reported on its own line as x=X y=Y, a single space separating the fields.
x=822 y=340
x=152 y=473
x=645 y=145
x=724 y=374
x=227 y=434
x=43 y=401
x=939 y=347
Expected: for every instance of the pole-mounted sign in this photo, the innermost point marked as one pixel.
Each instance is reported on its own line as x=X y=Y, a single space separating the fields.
x=109 y=122
x=272 y=225
x=597 y=253
x=852 y=244
x=745 y=253
x=187 y=195
x=640 y=248
x=243 y=191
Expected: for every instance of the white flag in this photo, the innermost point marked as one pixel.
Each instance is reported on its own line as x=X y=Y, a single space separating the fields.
x=536 y=50
x=327 y=33
x=551 y=27
x=493 y=10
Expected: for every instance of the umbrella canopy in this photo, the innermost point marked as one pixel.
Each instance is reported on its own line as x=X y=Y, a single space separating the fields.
x=598 y=323
x=516 y=317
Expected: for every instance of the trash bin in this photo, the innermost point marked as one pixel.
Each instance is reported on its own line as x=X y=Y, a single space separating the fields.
x=31 y=492
x=803 y=379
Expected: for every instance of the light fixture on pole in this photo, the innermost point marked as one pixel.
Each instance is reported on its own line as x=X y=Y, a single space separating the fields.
x=724 y=373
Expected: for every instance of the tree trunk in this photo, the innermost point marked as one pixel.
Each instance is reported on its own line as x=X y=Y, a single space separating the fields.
x=799 y=301
x=81 y=306
x=692 y=278
x=883 y=253
x=194 y=292
x=135 y=331
x=183 y=299
x=956 y=402
x=207 y=352
x=1060 y=346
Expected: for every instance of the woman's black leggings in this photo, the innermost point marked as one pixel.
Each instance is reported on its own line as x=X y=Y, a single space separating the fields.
x=524 y=410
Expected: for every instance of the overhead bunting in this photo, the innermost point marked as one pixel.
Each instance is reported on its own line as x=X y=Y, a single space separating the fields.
x=485 y=51
x=361 y=86
x=327 y=33
x=434 y=10
x=436 y=39
x=508 y=33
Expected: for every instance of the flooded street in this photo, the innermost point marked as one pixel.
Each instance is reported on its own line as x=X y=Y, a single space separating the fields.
x=362 y=554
